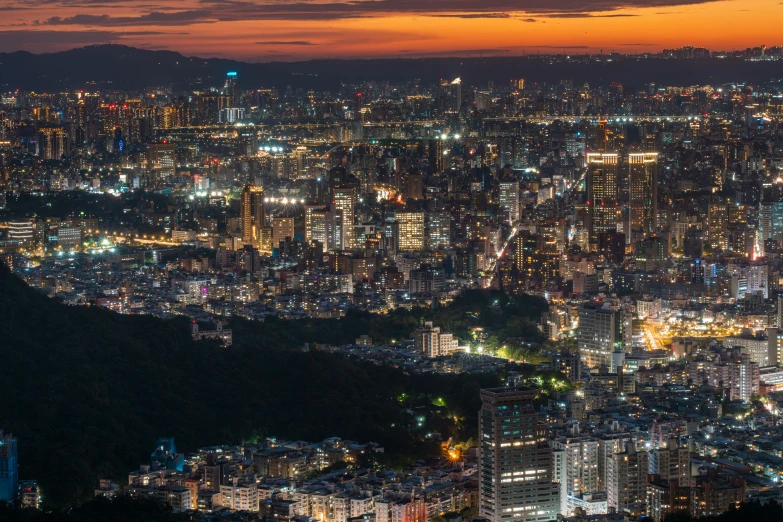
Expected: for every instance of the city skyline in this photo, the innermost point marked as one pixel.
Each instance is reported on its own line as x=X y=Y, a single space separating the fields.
x=262 y=31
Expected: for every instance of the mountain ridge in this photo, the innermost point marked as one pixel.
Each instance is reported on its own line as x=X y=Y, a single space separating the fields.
x=119 y=67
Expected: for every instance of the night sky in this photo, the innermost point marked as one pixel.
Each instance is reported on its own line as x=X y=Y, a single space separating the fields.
x=270 y=30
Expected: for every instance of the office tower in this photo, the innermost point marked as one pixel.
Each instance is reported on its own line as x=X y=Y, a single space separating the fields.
x=345 y=204
x=717 y=226
x=410 y=231
x=438 y=230
x=643 y=192
x=9 y=473
x=602 y=195
x=671 y=462
x=231 y=88
x=282 y=227
x=52 y=143
x=161 y=161
x=316 y=224
x=252 y=217
x=626 y=478
x=770 y=225
x=527 y=246
x=455 y=95
x=515 y=461
x=599 y=334
x=415 y=187
x=509 y=199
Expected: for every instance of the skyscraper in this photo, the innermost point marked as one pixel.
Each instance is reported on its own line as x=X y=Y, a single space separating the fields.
x=345 y=204
x=599 y=334
x=717 y=225
x=253 y=216
x=602 y=195
x=316 y=224
x=515 y=461
x=9 y=475
x=770 y=224
x=231 y=88
x=509 y=199
x=643 y=192
x=52 y=143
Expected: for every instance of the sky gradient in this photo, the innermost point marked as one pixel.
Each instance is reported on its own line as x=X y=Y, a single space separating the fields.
x=285 y=30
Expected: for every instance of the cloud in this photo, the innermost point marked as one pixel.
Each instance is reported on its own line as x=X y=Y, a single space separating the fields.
x=589 y=15
x=560 y=47
x=639 y=44
x=153 y=18
x=472 y=15
x=285 y=42
x=242 y=10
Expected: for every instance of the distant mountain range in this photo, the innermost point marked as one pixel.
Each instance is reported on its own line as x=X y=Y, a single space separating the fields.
x=109 y=67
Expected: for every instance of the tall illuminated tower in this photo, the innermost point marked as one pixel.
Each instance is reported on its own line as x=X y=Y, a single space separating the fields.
x=252 y=216
x=345 y=204
x=602 y=195
x=231 y=88
x=643 y=191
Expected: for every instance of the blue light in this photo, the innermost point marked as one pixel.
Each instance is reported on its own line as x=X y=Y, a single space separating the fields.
x=232 y=73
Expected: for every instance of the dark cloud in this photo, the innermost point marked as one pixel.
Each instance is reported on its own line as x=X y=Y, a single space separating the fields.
x=472 y=15
x=639 y=44
x=153 y=18
x=285 y=42
x=234 y=10
x=589 y=15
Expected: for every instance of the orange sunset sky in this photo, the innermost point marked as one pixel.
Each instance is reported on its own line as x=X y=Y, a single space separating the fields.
x=272 y=30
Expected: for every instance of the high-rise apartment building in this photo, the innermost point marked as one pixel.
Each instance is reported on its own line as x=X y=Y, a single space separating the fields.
x=717 y=226
x=643 y=192
x=345 y=204
x=515 y=460
x=577 y=473
x=599 y=334
x=671 y=462
x=252 y=215
x=52 y=143
x=626 y=478
x=602 y=195
x=410 y=231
